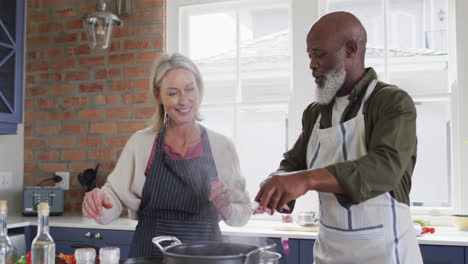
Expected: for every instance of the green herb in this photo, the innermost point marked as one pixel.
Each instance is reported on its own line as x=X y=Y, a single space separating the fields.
x=420 y=221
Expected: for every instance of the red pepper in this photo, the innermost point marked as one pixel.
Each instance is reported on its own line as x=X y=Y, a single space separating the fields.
x=28 y=257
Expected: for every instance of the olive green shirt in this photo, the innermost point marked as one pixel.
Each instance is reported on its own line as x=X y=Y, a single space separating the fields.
x=390 y=127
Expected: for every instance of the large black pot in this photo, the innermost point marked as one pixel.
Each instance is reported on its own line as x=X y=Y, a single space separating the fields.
x=207 y=253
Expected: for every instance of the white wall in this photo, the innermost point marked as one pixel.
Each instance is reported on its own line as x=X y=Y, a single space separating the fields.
x=11 y=160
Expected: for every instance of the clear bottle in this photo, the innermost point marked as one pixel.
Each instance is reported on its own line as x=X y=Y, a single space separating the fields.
x=43 y=246
x=6 y=248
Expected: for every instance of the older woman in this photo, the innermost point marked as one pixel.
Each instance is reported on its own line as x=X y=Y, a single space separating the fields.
x=177 y=177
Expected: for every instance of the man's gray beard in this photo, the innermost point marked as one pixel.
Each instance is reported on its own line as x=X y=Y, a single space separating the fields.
x=332 y=82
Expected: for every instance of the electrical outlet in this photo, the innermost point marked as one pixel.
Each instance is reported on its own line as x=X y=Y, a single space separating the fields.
x=6 y=178
x=65 y=183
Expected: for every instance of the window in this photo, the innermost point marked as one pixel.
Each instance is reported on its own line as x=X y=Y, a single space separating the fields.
x=410 y=44
x=243 y=52
x=410 y=49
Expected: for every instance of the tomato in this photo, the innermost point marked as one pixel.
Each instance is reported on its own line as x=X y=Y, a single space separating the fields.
x=432 y=230
x=28 y=257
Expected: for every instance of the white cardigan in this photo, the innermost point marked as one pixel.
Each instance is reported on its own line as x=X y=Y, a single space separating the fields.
x=124 y=185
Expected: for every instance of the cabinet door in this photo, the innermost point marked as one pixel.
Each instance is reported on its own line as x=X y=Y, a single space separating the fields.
x=65 y=238
x=466 y=255
x=11 y=64
x=442 y=254
x=306 y=251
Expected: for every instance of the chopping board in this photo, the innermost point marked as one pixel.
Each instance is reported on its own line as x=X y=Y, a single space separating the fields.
x=297 y=228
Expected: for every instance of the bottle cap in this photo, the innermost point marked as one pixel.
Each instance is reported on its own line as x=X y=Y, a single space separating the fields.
x=84 y=255
x=3 y=206
x=109 y=254
x=43 y=209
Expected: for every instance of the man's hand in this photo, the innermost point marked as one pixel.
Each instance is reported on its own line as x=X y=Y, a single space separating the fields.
x=93 y=202
x=282 y=188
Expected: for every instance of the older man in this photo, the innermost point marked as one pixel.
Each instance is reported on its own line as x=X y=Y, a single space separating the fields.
x=357 y=149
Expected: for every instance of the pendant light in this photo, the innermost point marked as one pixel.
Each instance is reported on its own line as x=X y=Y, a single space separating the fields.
x=99 y=26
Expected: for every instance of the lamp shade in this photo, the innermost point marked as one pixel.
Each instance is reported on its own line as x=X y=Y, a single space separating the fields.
x=99 y=25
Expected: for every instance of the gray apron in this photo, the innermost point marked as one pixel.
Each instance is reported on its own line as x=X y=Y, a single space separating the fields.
x=175 y=200
x=375 y=231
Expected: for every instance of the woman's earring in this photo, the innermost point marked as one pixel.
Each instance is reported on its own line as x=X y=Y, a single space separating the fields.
x=165 y=118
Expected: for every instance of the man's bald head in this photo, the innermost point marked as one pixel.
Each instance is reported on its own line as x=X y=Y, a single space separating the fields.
x=336 y=45
x=340 y=28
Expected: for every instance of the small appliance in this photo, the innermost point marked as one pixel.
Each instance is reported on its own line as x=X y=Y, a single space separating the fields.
x=33 y=195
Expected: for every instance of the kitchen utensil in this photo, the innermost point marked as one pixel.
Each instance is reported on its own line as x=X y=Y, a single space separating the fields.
x=87 y=178
x=461 y=221
x=307 y=219
x=253 y=256
x=207 y=253
x=269 y=257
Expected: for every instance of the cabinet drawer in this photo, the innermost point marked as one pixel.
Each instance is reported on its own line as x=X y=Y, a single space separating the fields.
x=113 y=237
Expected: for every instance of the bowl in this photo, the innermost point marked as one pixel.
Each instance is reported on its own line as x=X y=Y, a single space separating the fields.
x=307 y=219
x=461 y=221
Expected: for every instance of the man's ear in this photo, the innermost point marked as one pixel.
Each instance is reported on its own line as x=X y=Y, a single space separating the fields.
x=351 y=48
x=156 y=96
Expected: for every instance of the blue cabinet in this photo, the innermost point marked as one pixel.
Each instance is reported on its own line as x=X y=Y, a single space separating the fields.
x=466 y=255
x=67 y=239
x=306 y=251
x=11 y=64
x=442 y=254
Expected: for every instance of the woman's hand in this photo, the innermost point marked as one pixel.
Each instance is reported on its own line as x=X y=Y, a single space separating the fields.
x=220 y=197
x=93 y=202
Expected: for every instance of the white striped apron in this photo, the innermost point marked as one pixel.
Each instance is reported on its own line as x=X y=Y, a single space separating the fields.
x=378 y=230
x=175 y=201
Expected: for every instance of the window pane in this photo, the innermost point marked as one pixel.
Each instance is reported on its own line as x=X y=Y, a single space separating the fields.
x=211 y=43
x=247 y=82
x=418 y=41
x=264 y=54
x=262 y=141
x=220 y=119
x=370 y=13
x=432 y=175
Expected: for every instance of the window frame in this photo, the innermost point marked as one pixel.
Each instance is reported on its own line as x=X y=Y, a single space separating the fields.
x=303 y=14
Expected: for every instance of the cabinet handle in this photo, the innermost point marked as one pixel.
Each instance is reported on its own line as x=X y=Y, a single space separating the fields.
x=88 y=235
x=98 y=236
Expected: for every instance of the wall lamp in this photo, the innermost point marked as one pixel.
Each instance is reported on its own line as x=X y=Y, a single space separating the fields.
x=99 y=24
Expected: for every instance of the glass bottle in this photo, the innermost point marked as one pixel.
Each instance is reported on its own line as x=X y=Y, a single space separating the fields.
x=43 y=246
x=6 y=248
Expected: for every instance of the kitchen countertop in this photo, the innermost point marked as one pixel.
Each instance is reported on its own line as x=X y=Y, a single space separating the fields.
x=447 y=236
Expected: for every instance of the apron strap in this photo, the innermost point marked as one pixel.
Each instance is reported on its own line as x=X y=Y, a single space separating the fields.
x=369 y=90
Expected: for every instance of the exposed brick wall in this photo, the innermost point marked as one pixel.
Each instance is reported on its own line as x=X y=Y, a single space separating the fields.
x=81 y=106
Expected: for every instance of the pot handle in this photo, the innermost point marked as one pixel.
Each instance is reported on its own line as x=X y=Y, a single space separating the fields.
x=255 y=251
x=159 y=239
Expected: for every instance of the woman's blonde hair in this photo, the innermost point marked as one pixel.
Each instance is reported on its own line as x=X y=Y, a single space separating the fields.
x=161 y=66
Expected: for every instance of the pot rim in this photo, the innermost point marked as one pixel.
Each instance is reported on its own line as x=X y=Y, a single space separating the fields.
x=165 y=252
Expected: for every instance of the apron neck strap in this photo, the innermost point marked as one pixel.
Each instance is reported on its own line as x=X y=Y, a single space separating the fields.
x=369 y=90
x=204 y=137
